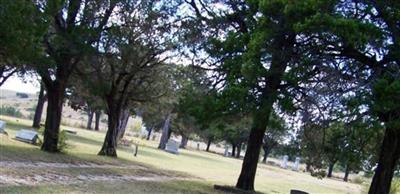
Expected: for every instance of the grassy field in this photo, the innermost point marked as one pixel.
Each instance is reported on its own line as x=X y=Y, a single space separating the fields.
x=197 y=171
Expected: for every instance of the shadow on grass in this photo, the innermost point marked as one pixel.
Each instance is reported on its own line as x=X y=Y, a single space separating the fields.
x=20 y=152
x=192 y=155
x=84 y=140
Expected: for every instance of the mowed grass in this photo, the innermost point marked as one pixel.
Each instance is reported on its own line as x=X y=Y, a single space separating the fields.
x=209 y=168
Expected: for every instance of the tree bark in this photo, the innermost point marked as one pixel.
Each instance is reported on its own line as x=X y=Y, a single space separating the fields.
x=239 y=149
x=149 y=130
x=123 y=122
x=90 y=119
x=165 y=132
x=266 y=153
x=233 y=150
x=184 y=141
x=330 y=169
x=388 y=158
x=208 y=144
x=97 y=122
x=55 y=96
x=279 y=60
x=110 y=142
x=346 y=173
x=39 y=107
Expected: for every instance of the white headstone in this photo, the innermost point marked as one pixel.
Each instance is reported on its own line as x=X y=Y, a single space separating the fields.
x=143 y=132
x=226 y=152
x=172 y=146
x=284 y=161
x=27 y=136
x=295 y=166
x=2 y=127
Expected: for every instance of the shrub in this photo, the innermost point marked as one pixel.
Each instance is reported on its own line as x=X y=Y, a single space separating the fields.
x=358 y=180
x=22 y=95
x=10 y=111
x=62 y=139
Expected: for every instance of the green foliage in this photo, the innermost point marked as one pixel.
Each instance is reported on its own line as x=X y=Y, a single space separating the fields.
x=62 y=141
x=395 y=187
x=10 y=111
x=386 y=101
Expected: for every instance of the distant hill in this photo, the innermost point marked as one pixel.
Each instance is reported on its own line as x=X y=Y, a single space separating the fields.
x=4 y=93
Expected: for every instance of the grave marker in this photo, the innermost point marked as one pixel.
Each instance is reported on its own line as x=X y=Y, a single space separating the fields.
x=2 y=127
x=28 y=136
x=172 y=146
x=284 y=161
x=295 y=166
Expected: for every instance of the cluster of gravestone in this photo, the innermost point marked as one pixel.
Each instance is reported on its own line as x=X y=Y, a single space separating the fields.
x=295 y=165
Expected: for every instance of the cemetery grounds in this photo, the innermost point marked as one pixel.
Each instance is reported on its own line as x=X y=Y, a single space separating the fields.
x=26 y=169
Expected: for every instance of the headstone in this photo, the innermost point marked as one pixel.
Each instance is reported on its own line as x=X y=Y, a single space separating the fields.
x=226 y=152
x=143 y=132
x=284 y=161
x=198 y=146
x=294 y=191
x=295 y=166
x=2 y=127
x=172 y=146
x=28 y=136
x=70 y=131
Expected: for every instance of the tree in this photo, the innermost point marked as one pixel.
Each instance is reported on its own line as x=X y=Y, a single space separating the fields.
x=73 y=28
x=42 y=97
x=274 y=135
x=260 y=54
x=365 y=36
x=335 y=144
x=130 y=68
x=22 y=30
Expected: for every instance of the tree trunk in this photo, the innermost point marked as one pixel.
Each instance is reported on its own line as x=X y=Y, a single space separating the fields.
x=123 y=122
x=330 y=169
x=165 y=132
x=266 y=153
x=90 y=119
x=55 y=96
x=388 y=158
x=208 y=144
x=110 y=142
x=261 y=116
x=39 y=107
x=239 y=149
x=184 y=141
x=97 y=122
x=233 y=150
x=149 y=130
x=346 y=173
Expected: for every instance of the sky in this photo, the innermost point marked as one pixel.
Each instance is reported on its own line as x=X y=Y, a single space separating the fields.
x=15 y=83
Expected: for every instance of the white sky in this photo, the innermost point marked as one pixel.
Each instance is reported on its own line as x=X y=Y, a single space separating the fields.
x=17 y=84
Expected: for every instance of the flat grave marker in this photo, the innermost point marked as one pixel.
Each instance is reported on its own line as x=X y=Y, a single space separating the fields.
x=27 y=136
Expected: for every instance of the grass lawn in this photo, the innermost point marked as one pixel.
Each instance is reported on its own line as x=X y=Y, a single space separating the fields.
x=198 y=170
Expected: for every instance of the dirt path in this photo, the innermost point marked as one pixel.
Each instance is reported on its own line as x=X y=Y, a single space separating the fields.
x=54 y=177
x=11 y=164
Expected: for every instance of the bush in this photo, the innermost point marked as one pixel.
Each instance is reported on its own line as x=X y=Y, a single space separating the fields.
x=358 y=180
x=62 y=139
x=319 y=173
x=22 y=95
x=10 y=111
